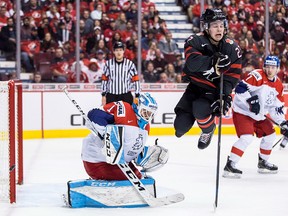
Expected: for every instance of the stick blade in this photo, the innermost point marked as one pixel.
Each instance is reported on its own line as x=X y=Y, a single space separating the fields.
x=167 y=200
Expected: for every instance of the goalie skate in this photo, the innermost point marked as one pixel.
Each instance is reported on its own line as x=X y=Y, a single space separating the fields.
x=264 y=167
x=230 y=171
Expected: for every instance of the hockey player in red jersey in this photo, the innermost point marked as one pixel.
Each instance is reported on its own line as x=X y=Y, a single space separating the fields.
x=207 y=55
x=135 y=119
x=258 y=94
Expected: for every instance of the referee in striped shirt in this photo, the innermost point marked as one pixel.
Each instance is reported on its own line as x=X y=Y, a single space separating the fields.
x=119 y=77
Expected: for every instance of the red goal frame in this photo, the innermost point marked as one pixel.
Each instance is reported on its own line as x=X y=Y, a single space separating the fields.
x=15 y=138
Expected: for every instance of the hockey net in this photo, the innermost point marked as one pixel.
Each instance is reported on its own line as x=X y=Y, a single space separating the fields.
x=11 y=141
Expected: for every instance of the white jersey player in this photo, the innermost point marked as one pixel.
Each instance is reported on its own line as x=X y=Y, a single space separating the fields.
x=258 y=94
x=134 y=123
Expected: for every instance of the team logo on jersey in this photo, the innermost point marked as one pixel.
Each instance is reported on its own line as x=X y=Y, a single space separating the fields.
x=270 y=98
x=229 y=41
x=120 y=109
x=210 y=74
x=139 y=143
x=137 y=146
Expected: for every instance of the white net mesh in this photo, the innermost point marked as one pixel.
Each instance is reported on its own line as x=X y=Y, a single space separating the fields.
x=4 y=142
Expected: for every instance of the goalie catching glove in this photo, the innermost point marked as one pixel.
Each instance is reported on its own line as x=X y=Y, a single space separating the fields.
x=152 y=158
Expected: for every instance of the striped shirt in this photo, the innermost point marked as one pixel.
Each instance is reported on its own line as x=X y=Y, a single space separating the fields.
x=120 y=77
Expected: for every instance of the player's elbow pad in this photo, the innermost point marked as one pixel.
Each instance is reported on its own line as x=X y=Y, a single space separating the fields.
x=100 y=117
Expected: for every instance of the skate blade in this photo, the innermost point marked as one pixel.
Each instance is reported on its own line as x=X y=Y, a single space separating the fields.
x=230 y=175
x=265 y=171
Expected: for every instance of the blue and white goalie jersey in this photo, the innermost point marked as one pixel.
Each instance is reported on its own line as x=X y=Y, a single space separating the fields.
x=134 y=139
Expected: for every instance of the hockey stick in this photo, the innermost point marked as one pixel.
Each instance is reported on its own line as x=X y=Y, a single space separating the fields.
x=270 y=119
x=280 y=140
x=131 y=176
x=219 y=142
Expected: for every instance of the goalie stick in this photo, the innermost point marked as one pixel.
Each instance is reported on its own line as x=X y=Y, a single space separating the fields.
x=131 y=176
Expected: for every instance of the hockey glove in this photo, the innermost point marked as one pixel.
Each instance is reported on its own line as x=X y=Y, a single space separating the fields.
x=284 y=128
x=152 y=158
x=227 y=102
x=254 y=104
x=221 y=62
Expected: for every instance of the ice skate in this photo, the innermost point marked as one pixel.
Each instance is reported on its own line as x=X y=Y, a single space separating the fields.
x=205 y=139
x=230 y=171
x=266 y=167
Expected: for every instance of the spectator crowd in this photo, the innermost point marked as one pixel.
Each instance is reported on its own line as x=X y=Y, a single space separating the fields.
x=48 y=35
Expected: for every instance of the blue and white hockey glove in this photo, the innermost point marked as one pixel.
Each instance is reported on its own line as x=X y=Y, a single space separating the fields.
x=152 y=158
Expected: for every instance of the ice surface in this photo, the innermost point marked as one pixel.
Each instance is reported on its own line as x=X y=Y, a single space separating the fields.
x=50 y=163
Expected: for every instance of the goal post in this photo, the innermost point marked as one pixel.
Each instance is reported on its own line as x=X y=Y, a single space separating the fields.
x=11 y=140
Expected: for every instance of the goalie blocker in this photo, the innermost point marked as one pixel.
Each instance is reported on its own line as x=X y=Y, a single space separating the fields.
x=106 y=194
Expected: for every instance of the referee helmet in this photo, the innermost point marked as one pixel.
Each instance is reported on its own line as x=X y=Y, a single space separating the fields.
x=118 y=44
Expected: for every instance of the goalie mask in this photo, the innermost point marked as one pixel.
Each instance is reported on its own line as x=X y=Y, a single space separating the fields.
x=271 y=66
x=145 y=109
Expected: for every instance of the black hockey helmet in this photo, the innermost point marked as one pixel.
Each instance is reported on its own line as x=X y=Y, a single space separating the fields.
x=211 y=15
x=117 y=45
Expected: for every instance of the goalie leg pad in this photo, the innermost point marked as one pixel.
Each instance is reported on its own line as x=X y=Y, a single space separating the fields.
x=107 y=194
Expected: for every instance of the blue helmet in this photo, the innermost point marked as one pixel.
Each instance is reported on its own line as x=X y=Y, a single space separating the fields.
x=272 y=60
x=145 y=109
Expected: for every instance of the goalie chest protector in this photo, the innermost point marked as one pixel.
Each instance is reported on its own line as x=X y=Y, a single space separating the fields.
x=107 y=194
